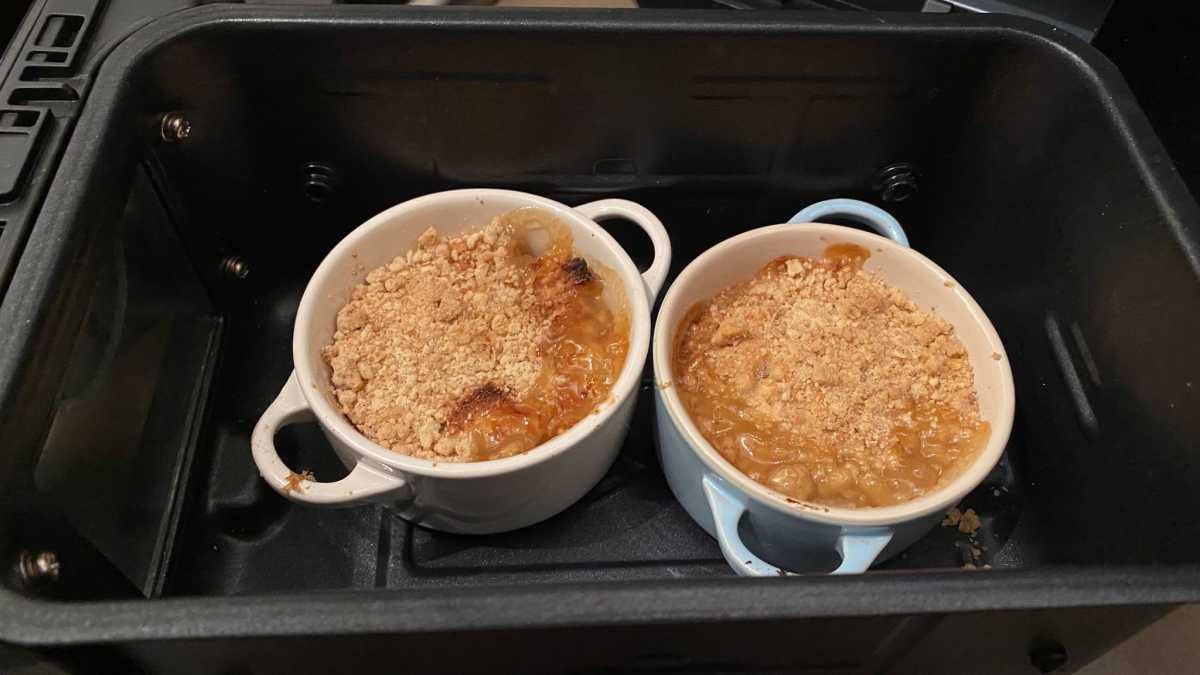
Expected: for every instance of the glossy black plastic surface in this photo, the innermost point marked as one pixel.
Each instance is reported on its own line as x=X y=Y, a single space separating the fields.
x=1040 y=189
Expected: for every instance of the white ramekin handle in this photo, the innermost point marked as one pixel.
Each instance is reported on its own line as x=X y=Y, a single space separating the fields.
x=363 y=484
x=656 y=275
x=858 y=551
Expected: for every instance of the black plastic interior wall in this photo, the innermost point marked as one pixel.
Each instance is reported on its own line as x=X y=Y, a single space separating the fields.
x=149 y=318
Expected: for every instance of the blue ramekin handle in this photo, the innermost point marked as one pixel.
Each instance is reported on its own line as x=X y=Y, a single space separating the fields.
x=858 y=549
x=857 y=211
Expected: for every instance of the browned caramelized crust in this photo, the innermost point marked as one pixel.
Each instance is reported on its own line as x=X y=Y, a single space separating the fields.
x=577 y=271
x=483 y=398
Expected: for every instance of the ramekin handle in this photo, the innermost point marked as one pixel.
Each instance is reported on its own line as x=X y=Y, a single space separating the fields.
x=858 y=550
x=363 y=484
x=858 y=211
x=656 y=275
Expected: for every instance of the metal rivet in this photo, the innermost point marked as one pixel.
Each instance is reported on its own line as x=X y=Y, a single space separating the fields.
x=235 y=267
x=37 y=567
x=896 y=182
x=174 y=127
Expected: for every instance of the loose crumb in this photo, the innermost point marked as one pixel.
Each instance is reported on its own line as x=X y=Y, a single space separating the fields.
x=996 y=356
x=969 y=522
x=953 y=518
x=295 y=481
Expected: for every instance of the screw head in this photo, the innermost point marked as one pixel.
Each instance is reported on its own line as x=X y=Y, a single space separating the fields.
x=235 y=267
x=38 y=567
x=174 y=127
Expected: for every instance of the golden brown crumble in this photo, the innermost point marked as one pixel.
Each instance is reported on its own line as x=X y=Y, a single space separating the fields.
x=953 y=518
x=823 y=382
x=461 y=332
x=969 y=522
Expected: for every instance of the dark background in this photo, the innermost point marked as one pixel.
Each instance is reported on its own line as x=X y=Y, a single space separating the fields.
x=1154 y=45
x=10 y=16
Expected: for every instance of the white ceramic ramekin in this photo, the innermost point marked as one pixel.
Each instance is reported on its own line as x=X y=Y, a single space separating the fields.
x=801 y=536
x=477 y=497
